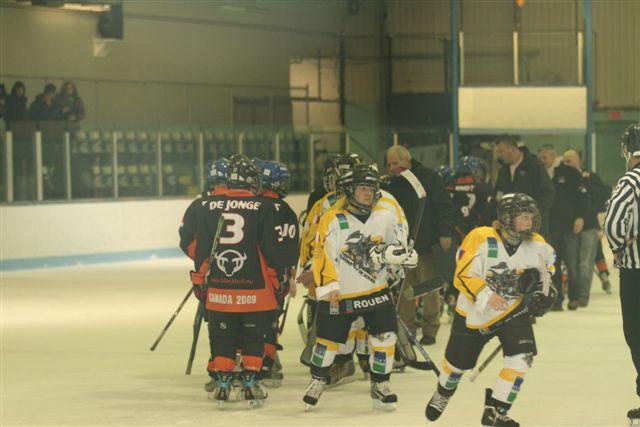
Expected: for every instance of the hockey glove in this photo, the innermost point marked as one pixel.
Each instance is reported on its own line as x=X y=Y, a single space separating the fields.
x=395 y=275
x=200 y=292
x=529 y=281
x=412 y=260
x=383 y=253
x=541 y=303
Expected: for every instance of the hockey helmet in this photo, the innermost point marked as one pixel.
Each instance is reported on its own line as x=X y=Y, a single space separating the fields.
x=242 y=173
x=510 y=207
x=472 y=166
x=446 y=173
x=631 y=142
x=364 y=174
x=275 y=176
x=216 y=172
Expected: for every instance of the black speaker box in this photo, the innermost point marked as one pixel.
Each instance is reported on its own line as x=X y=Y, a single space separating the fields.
x=110 y=24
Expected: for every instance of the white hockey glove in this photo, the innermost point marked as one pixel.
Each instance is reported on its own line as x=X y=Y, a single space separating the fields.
x=383 y=253
x=411 y=261
x=395 y=275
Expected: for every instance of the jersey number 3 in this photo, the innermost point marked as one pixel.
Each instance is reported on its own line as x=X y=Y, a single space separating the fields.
x=235 y=229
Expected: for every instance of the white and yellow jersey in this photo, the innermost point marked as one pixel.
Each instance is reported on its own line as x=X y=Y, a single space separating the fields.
x=484 y=267
x=310 y=226
x=341 y=252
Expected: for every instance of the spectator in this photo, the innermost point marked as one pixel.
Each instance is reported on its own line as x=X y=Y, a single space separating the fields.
x=16 y=104
x=42 y=109
x=591 y=232
x=523 y=173
x=567 y=222
x=436 y=230
x=68 y=104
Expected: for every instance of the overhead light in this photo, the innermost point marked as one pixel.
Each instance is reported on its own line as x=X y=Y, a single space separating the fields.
x=87 y=7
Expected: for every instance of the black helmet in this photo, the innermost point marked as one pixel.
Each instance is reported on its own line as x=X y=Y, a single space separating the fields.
x=509 y=207
x=338 y=165
x=631 y=141
x=242 y=173
x=364 y=174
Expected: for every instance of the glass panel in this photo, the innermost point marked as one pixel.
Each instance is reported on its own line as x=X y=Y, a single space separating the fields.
x=53 y=173
x=548 y=58
x=136 y=164
x=24 y=171
x=293 y=153
x=180 y=164
x=488 y=58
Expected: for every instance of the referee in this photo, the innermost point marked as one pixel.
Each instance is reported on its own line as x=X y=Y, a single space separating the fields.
x=621 y=226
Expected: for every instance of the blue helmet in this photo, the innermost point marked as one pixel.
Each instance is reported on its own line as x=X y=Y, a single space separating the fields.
x=474 y=166
x=216 y=172
x=274 y=176
x=446 y=173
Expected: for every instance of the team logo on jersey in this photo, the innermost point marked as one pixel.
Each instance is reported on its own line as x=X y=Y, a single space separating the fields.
x=356 y=254
x=492 y=244
x=230 y=261
x=503 y=281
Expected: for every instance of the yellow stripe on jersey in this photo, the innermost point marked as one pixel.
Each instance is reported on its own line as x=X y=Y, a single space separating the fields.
x=310 y=226
x=329 y=344
x=324 y=271
x=470 y=285
x=510 y=374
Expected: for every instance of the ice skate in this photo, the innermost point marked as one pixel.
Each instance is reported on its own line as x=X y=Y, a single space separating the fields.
x=211 y=385
x=438 y=403
x=271 y=377
x=253 y=392
x=222 y=389
x=313 y=393
x=341 y=373
x=495 y=414
x=383 y=398
x=634 y=417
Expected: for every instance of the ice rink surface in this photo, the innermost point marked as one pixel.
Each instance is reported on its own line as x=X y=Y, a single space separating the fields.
x=75 y=351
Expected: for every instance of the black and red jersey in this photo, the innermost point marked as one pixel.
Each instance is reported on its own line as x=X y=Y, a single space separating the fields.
x=473 y=205
x=252 y=252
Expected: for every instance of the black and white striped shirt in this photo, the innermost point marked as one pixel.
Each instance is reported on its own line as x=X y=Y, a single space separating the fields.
x=621 y=221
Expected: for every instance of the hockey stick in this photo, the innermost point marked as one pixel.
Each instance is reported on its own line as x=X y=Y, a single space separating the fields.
x=285 y=310
x=428 y=364
x=301 y=326
x=197 y=322
x=173 y=317
x=486 y=363
x=200 y=311
x=424 y=288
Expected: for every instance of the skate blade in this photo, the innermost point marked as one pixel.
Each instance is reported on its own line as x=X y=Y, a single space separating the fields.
x=381 y=406
x=308 y=407
x=255 y=403
x=634 y=422
x=272 y=383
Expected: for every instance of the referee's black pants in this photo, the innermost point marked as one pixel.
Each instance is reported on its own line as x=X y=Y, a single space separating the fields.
x=630 y=302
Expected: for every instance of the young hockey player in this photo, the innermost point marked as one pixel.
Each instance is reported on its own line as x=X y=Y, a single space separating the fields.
x=240 y=276
x=343 y=366
x=216 y=179
x=503 y=276
x=354 y=244
x=274 y=179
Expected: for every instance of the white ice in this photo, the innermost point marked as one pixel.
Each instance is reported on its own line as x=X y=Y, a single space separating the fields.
x=75 y=351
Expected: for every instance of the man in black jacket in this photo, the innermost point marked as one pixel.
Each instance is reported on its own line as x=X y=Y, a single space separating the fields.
x=523 y=173
x=434 y=235
x=42 y=109
x=567 y=222
x=597 y=193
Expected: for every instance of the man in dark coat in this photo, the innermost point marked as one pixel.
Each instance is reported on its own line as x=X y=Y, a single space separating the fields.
x=42 y=109
x=524 y=173
x=434 y=234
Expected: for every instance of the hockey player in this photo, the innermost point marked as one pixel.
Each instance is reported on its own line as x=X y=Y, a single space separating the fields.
x=354 y=244
x=216 y=180
x=240 y=276
x=472 y=196
x=502 y=275
x=343 y=366
x=274 y=179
